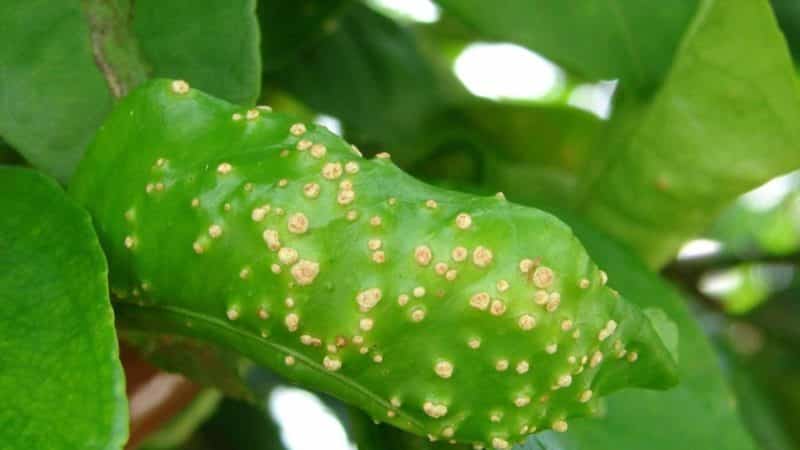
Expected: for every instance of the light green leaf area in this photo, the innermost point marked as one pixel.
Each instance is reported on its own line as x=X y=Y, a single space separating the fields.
x=53 y=97
x=61 y=382
x=212 y=44
x=630 y=40
x=724 y=121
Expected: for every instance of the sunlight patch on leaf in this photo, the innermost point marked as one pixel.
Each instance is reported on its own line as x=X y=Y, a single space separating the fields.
x=506 y=71
x=305 y=422
x=699 y=248
x=771 y=193
x=423 y=11
x=594 y=97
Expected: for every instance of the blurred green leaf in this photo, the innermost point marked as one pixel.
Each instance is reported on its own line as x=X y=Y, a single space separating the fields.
x=61 y=381
x=288 y=27
x=788 y=13
x=52 y=97
x=181 y=427
x=627 y=39
x=369 y=73
x=723 y=122
x=212 y=44
x=238 y=426
x=52 y=94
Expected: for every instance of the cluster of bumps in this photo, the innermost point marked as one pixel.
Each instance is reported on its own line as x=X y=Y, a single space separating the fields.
x=467 y=319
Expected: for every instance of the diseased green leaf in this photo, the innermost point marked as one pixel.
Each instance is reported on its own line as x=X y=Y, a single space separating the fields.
x=698 y=413
x=724 y=122
x=213 y=44
x=61 y=381
x=632 y=40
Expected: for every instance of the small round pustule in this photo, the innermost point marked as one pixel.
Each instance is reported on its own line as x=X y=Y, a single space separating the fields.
x=332 y=170
x=585 y=396
x=375 y=221
x=318 y=151
x=345 y=197
x=418 y=292
x=374 y=244
x=346 y=185
x=179 y=87
x=632 y=357
x=572 y=359
x=423 y=255
x=448 y=432
x=292 y=322
x=351 y=167
x=289 y=360
x=480 y=301
x=160 y=162
x=279 y=211
x=566 y=325
x=541 y=297
x=443 y=369
x=417 y=314
x=366 y=324
x=271 y=238
x=463 y=221
x=523 y=367
x=149 y=188
x=159 y=186
x=497 y=307
x=500 y=196
x=232 y=313
x=495 y=416
x=248 y=187
x=130 y=242
x=440 y=268
x=395 y=401
x=252 y=114
x=459 y=254
x=215 y=231
x=451 y=275
x=383 y=155
x=603 y=278
x=287 y=255
x=307 y=339
x=596 y=359
x=551 y=348
x=377 y=358
x=391 y=201
x=363 y=350
x=378 y=257
x=553 y=301
x=311 y=190
x=297 y=223
x=245 y=273
x=284 y=153
x=560 y=426
x=297 y=129
x=198 y=247
x=527 y=322
x=474 y=343
x=263 y=314
x=368 y=298
x=502 y=285
x=526 y=265
x=224 y=168
x=482 y=256
x=584 y=283
x=521 y=401
x=435 y=410
x=331 y=364
x=564 y=380
x=501 y=365
x=303 y=145
x=402 y=299
x=500 y=443
x=259 y=213
x=358 y=339
x=543 y=277
x=283 y=182
x=304 y=272
x=195 y=202
x=431 y=204
x=352 y=215
x=275 y=268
